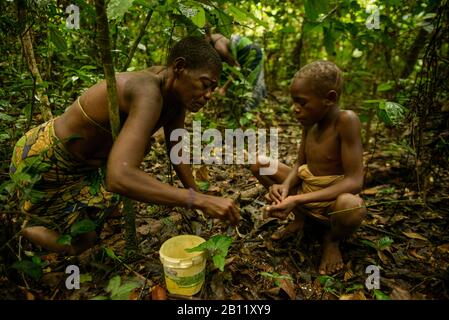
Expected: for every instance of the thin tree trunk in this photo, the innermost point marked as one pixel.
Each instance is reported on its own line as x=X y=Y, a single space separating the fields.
x=143 y=27
x=413 y=53
x=296 y=55
x=113 y=107
x=28 y=52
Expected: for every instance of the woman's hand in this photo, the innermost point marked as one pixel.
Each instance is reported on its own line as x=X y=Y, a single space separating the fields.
x=221 y=208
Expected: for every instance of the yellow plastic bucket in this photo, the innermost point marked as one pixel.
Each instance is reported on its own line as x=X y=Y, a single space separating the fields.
x=184 y=271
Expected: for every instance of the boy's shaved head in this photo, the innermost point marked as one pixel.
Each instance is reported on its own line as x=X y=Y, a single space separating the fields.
x=323 y=76
x=197 y=52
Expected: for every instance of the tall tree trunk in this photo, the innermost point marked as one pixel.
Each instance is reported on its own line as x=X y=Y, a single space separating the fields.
x=142 y=29
x=413 y=53
x=113 y=107
x=296 y=54
x=28 y=52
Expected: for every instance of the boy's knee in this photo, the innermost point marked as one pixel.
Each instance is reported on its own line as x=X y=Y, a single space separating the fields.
x=353 y=210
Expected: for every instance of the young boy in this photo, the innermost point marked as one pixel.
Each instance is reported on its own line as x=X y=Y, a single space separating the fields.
x=328 y=175
x=67 y=153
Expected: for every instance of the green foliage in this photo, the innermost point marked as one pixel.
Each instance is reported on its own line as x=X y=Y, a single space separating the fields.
x=203 y=185
x=30 y=268
x=379 y=295
x=383 y=243
x=82 y=226
x=110 y=253
x=331 y=285
x=217 y=248
x=391 y=113
x=276 y=277
x=79 y=227
x=119 y=290
x=117 y=8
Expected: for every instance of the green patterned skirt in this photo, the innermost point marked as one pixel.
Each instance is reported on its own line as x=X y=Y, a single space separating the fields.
x=55 y=189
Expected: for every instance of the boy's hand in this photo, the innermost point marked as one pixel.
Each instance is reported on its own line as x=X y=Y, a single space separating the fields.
x=278 y=192
x=282 y=209
x=222 y=208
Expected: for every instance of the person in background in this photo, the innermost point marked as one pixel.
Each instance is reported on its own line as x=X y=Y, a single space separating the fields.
x=242 y=53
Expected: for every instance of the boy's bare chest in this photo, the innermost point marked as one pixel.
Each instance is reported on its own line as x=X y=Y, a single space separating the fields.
x=322 y=146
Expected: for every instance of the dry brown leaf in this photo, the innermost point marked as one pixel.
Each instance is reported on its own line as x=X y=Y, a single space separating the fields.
x=202 y=174
x=372 y=191
x=52 y=279
x=30 y=296
x=214 y=189
x=444 y=248
x=414 y=235
x=348 y=275
x=133 y=295
x=358 y=295
x=217 y=287
x=253 y=192
x=382 y=220
x=51 y=257
x=288 y=286
x=383 y=257
x=158 y=293
x=143 y=229
x=413 y=253
x=400 y=294
x=397 y=218
x=159 y=136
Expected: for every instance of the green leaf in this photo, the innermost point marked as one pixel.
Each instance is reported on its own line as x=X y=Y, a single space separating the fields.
x=354 y=287
x=58 y=40
x=36 y=260
x=29 y=268
x=379 y=295
x=384 y=243
x=386 y=86
x=219 y=262
x=100 y=298
x=6 y=117
x=110 y=253
x=288 y=29
x=329 y=41
x=391 y=113
x=82 y=226
x=203 y=185
x=28 y=110
x=313 y=26
x=369 y=243
x=217 y=247
x=117 y=8
x=114 y=284
x=326 y=280
x=86 y=277
x=200 y=18
x=224 y=22
x=123 y=291
x=311 y=12
x=257 y=20
x=65 y=239
x=238 y=14
x=4 y=136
